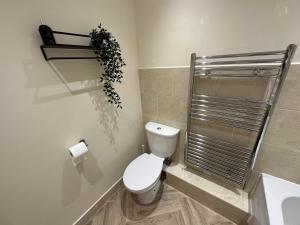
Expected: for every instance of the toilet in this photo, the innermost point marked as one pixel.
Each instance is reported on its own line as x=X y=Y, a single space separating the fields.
x=142 y=175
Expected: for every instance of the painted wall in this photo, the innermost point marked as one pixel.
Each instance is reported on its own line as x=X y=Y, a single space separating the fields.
x=170 y=30
x=47 y=108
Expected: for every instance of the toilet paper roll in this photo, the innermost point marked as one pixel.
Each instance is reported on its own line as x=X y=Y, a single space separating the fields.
x=78 y=152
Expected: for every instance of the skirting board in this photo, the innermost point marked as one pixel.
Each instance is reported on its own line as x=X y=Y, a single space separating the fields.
x=84 y=218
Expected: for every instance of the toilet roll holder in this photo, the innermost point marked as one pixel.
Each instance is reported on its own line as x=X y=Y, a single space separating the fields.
x=82 y=140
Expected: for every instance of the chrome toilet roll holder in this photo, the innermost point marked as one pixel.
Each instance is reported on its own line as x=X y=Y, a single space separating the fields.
x=83 y=140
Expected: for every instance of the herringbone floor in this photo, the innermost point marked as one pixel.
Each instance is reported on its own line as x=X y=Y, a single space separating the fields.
x=170 y=208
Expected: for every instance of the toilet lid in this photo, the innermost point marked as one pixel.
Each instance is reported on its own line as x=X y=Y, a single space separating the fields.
x=142 y=172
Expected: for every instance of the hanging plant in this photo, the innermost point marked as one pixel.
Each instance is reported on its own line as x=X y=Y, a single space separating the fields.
x=109 y=52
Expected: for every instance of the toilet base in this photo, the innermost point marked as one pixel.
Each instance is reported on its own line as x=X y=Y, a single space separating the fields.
x=149 y=196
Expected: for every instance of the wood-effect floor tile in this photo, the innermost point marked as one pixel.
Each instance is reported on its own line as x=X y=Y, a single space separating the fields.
x=170 y=207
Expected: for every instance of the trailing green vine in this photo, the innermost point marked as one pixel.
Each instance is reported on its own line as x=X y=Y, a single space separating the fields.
x=109 y=52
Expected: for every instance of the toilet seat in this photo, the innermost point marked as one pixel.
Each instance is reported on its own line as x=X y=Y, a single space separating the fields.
x=142 y=173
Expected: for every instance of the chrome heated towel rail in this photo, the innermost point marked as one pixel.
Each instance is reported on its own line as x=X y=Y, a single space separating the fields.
x=227 y=160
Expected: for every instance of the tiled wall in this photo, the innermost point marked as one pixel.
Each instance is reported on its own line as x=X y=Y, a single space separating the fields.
x=165 y=96
x=280 y=153
x=164 y=100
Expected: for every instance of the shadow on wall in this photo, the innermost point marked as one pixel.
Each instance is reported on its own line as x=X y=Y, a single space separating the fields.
x=86 y=73
x=71 y=180
x=69 y=74
x=108 y=114
x=73 y=77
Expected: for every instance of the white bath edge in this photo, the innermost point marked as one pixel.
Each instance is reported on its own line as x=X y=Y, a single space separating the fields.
x=275 y=201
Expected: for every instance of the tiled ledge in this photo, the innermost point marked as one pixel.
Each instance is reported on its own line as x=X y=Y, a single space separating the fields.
x=229 y=202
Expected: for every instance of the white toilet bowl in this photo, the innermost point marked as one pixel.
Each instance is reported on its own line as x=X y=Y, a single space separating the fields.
x=142 y=175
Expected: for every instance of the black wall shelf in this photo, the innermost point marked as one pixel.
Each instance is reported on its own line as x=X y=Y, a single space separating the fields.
x=50 y=43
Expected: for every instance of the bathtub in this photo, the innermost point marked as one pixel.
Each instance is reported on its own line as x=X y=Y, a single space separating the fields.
x=275 y=202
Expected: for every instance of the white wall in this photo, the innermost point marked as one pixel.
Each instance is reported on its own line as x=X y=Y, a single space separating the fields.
x=44 y=112
x=170 y=30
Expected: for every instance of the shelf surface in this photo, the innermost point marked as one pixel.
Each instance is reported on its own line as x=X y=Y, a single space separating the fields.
x=68 y=46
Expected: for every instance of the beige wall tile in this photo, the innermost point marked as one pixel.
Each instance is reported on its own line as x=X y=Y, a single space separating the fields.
x=149 y=104
x=181 y=82
x=157 y=81
x=149 y=117
x=284 y=129
x=279 y=161
x=289 y=96
x=172 y=108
